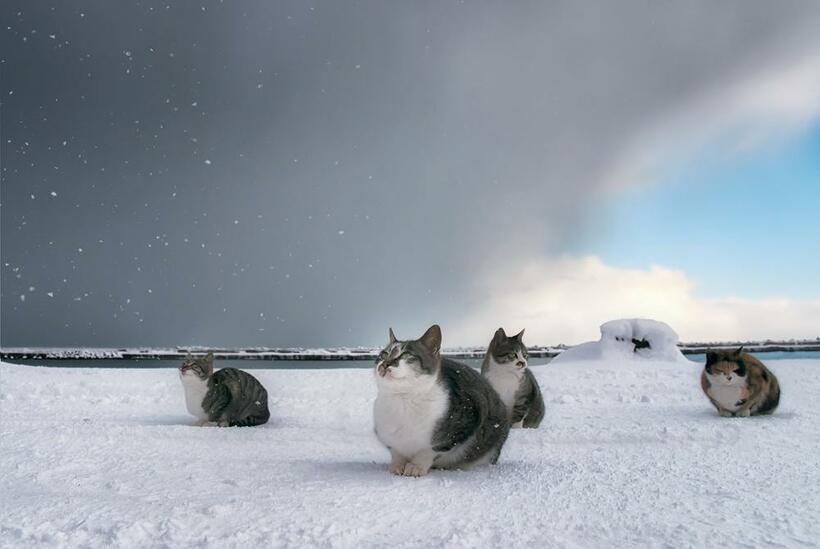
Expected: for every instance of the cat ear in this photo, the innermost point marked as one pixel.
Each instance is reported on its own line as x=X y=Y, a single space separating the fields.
x=392 y=336
x=520 y=336
x=209 y=358
x=711 y=356
x=432 y=338
x=500 y=335
x=739 y=351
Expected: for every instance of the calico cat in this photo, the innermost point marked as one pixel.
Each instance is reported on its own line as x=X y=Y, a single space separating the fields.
x=505 y=367
x=228 y=397
x=431 y=411
x=738 y=384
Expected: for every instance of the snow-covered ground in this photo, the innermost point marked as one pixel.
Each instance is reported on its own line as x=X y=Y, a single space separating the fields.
x=630 y=454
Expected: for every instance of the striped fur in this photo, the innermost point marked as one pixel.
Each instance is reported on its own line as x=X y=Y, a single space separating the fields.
x=233 y=398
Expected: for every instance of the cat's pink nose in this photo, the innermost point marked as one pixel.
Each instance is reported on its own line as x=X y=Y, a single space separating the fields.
x=521 y=364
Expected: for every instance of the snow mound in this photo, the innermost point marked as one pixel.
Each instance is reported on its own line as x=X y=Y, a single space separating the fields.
x=629 y=338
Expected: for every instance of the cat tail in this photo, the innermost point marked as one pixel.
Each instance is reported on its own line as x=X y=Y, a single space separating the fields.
x=536 y=412
x=772 y=399
x=495 y=425
x=251 y=421
x=533 y=403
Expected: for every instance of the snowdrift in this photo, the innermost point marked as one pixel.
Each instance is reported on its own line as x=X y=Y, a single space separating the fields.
x=629 y=339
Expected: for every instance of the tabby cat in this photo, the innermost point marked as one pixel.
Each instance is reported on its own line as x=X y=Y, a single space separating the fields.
x=228 y=397
x=505 y=367
x=738 y=384
x=431 y=411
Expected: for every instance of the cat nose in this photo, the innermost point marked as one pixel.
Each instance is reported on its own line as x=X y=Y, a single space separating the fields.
x=521 y=364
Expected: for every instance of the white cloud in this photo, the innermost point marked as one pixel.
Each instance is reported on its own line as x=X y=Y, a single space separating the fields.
x=755 y=110
x=567 y=298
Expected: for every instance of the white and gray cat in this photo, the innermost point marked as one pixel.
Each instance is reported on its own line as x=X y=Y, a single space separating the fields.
x=505 y=367
x=432 y=411
x=227 y=398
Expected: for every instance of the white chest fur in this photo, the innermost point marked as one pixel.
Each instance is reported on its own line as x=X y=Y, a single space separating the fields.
x=195 y=391
x=505 y=380
x=405 y=421
x=728 y=394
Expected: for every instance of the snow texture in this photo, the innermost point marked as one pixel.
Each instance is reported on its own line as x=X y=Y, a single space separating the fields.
x=630 y=454
x=629 y=339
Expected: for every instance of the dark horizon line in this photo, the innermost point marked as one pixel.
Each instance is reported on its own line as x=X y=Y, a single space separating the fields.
x=346 y=353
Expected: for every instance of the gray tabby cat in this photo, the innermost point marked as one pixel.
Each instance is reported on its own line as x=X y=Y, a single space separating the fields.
x=432 y=411
x=505 y=367
x=228 y=398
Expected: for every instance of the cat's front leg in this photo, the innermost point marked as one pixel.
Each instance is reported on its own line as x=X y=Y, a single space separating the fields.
x=397 y=463
x=419 y=465
x=745 y=409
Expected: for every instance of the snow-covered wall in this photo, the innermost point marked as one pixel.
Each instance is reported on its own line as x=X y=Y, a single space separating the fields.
x=629 y=338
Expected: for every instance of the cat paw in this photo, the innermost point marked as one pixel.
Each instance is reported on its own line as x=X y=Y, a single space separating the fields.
x=224 y=423
x=396 y=468
x=743 y=413
x=202 y=423
x=725 y=413
x=413 y=470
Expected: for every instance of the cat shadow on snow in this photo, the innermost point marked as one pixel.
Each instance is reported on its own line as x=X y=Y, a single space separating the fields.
x=377 y=470
x=185 y=421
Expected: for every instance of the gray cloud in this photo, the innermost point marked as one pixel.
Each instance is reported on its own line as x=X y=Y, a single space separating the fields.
x=308 y=174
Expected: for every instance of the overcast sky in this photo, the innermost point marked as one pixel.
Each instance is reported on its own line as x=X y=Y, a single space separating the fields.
x=310 y=173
